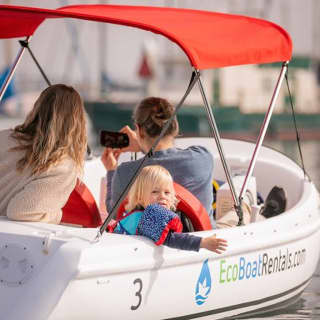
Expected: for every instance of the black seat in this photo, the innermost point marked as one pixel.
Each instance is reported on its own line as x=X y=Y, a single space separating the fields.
x=186 y=222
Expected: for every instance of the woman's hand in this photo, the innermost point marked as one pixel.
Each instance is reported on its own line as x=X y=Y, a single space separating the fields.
x=133 y=140
x=214 y=244
x=110 y=157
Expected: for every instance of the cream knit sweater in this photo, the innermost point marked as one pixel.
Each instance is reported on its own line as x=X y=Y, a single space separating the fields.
x=32 y=198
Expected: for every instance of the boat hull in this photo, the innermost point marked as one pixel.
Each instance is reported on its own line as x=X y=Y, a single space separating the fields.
x=267 y=265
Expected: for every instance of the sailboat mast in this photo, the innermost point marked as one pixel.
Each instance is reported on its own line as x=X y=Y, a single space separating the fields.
x=102 y=54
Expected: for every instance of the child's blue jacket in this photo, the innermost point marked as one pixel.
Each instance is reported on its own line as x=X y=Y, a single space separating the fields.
x=158 y=224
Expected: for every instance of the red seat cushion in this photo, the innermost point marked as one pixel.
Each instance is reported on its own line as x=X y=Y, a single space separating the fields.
x=192 y=208
x=81 y=208
x=188 y=204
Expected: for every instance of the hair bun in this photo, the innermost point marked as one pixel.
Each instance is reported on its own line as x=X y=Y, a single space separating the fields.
x=158 y=116
x=152 y=114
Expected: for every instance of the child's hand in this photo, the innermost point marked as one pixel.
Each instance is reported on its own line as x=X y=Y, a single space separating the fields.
x=214 y=244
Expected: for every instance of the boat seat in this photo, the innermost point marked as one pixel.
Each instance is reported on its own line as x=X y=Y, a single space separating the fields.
x=188 y=205
x=81 y=208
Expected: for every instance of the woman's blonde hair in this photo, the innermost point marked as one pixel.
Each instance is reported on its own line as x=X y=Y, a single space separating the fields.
x=149 y=177
x=54 y=129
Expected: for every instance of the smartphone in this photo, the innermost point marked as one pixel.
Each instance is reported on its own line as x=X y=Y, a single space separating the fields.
x=112 y=139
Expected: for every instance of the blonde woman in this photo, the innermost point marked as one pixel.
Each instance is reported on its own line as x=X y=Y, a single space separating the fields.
x=41 y=159
x=150 y=201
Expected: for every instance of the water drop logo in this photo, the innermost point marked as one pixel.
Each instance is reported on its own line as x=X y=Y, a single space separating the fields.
x=203 y=286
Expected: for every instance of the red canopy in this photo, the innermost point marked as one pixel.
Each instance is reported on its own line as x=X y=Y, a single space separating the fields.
x=209 y=39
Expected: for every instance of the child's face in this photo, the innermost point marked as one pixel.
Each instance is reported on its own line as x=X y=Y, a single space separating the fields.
x=160 y=194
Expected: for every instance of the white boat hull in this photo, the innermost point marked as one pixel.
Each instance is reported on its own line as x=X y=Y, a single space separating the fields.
x=57 y=272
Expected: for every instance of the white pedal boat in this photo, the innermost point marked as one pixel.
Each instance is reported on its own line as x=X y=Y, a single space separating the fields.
x=65 y=272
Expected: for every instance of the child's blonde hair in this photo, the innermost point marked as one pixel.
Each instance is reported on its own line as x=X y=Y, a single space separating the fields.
x=149 y=177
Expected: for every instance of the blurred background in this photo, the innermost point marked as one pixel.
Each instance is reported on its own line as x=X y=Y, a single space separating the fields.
x=113 y=67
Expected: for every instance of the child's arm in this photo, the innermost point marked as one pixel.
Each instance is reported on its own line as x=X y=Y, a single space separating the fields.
x=186 y=241
x=160 y=225
x=182 y=241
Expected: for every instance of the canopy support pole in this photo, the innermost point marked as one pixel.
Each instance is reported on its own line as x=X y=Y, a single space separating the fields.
x=12 y=70
x=25 y=44
x=264 y=128
x=214 y=129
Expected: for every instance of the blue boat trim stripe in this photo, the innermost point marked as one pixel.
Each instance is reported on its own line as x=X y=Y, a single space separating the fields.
x=244 y=305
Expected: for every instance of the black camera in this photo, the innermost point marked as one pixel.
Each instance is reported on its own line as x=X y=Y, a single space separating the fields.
x=110 y=139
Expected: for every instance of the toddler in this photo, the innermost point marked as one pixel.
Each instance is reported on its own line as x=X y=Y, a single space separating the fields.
x=151 y=202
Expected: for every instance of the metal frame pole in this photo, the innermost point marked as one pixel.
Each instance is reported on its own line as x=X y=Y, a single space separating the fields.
x=13 y=69
x=26 y=45
x=264 y=127
x=217 y=138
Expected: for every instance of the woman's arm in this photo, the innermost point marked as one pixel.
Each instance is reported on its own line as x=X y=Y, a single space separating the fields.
x=110 y=191
x=115 y=187
x=43 y=198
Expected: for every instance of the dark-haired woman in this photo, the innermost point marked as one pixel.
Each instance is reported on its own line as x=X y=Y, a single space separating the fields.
x=191 y=167
x=41 y=159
